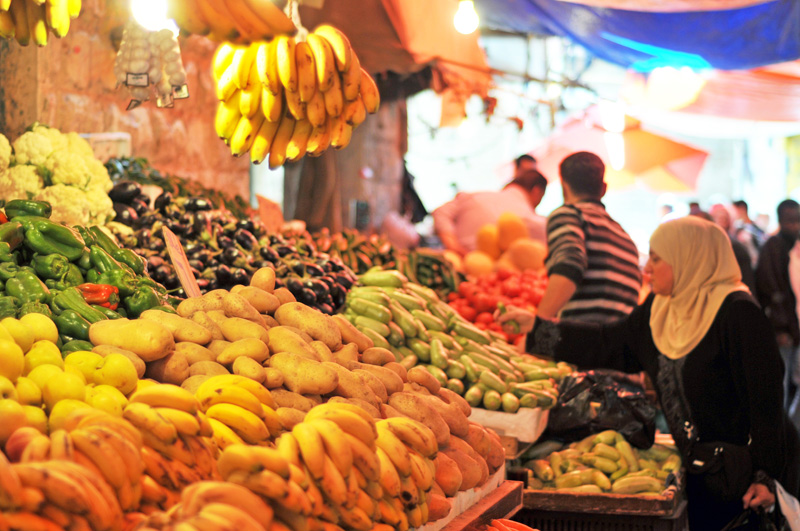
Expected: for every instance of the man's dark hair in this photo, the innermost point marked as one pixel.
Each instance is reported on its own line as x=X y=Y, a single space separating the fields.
x=785 y=207
x=522 y=158
x=530 y=179
x=583 y=172
x=740 y=204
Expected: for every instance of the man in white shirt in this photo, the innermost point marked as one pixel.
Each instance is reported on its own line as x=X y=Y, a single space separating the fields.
x=457 y=223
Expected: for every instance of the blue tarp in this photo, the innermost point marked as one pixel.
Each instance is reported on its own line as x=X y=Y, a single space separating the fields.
x=735 y=39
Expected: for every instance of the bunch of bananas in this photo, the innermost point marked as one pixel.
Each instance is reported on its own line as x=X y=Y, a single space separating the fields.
x=286 y=98
x=241 y=21
x=33 y=19
x=239 y=410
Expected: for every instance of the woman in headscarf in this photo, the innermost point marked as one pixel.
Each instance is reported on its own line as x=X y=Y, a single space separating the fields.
x=711 y=353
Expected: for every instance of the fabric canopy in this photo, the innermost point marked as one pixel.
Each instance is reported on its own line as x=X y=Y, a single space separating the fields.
x=730 y=39
x=669 y=6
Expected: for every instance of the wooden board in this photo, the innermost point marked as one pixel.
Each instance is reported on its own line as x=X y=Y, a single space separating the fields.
x=622 y=504
x=503 y=502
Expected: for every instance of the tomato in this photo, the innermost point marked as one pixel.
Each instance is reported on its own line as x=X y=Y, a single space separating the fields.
x=484 y=317
x=467 y=289
x=468 y=313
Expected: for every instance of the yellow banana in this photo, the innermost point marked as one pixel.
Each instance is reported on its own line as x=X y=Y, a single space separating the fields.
x=415 y=517
x=105 y=511
x=56 y=515
x=203 y=456
x=337 y=446
x=374 y=490
x=334 y=99
x=355 y=112
x=273 y=77
x=351 y=78
x=223 y=57
x=341 y=132
x=352 y=491
x=243 y=136
x=61 y=446
x=299 y=141
x=271 y=15
x=287 y=446
x=60 y=489
x=127 y=498
x=245 y=66
x=219 y=20
x=355 y=519
x=295 y=107
x=37 y=449
x=263 y=141
x=421 y=471
x=166 y=395
x=99 y=418
x=332 y=483
x=129 y=453
x=414 y=434
x=271 y=105
x=272 y=420
x=7 y=29
x=19 y=13
x=340 y=45
x=205 y=427
x=298 y=475
x=148 y=420
x=369 y=93
x=208 y=395
x=324 y=63
x=296 y=500
x=388 y=514
x=157 y=467
x=350 y=418
x=265 y=483
x=389 y=478
x=198 y=495
x=277 y=152
x=177 y=451
x=240 y=520
x=37 y=21
x=319 y=140
x=259 y=391
x=247 y=425
x=306 y=71
x=248 y=23
x=103 y=455
x=365 y=502
x=251 y=459
x=152 y=492
x=315 y=110
x=57 y=13
x=10 y=485
x=29 y=522
x=188 y=17
x=311 y=448
x=394 y=448
x=409 y=492
x=228 y=115
x=286 y=62
x=74 y=8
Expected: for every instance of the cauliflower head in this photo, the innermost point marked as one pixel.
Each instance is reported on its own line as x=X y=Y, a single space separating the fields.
x=32 y=148
x=98 y=175
x=102 y=207
x=68 y=168
x=5 y=153
x=20 y=182
x=56 y=137
x=70 y=204
x=79 y=145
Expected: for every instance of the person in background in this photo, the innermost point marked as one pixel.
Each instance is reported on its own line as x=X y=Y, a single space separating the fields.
x=746 y=231
x=774 y=290
x=694 y=208
x=720 y=215
x=523 y=163
x=457 y=223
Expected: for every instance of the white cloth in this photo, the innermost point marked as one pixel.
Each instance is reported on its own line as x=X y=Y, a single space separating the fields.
x=468 y=212
x=790 y=507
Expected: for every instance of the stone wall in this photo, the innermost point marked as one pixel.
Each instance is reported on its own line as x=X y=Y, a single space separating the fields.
x=69 y=84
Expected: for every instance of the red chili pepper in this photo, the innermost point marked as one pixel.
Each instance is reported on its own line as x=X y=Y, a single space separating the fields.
x=3 y=218
x=101 y=294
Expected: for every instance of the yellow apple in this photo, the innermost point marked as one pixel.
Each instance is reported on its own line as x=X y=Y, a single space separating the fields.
x=23 y=336
x=104 y=401
x=62 y=410
x=71 y=369
x=28 y=393
x=41 y=374
x=117 y=371
x=85 y=361
x=43 y=327
x=43 y=353
x=7 y=389
x=36 y=418
x=12 y=360
x=13 y=416
x=113 y=392
x=64 y=386
x=146 y=382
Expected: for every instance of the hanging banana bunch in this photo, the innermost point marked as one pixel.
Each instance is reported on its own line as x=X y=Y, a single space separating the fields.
x=33 y=20
x=287 y=98
x=239 y=21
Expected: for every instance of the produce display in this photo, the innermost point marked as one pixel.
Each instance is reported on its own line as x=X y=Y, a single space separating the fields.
x=33 y=20
x=505 y=245
x=601 y=463
x=60 y=168
x=286 y=98
x=428 y=337
x=233 y=20
x=504 y=524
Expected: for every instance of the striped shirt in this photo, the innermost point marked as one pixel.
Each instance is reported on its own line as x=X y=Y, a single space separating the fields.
x=593 y=251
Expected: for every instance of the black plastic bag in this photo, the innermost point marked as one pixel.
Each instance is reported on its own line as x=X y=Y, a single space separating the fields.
x=593 y=401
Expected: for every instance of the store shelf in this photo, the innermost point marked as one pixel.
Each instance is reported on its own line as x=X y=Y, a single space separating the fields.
x=606 y=503
x=503 y=502
x=526 y=425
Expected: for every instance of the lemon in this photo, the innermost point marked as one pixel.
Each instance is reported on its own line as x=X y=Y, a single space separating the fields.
x=63 y=386
x=23 y=336
x=28 y=393
x=84 y=361
x=62 y=410
x=41 y=374
x=71 y=369
x=12 y=359
x=43 y=353
x=36 y=417
x=43 y=327
x=118 y=371
x=13 y=416
x=7 y=389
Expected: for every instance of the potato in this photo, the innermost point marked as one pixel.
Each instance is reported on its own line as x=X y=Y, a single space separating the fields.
x=436 y=489
x=264 y=279
x=456 y=399
x=470 y=470
x=420 y=375
x=351 y=334
x=262 y=301
x=363 y=404
x=208 y=323
x=218 y=316
x=105 y=350
x=273 y=378
x=217 y=346
x=307 y=338
x=438 y=507
x=497 y=455
x=452 y=415
x=398 y=369
x=193 y=383
x=207 y=368
x=350 y=385
x=249 y=368
x=284 y=398
x=236 y=328
x=390 y=380
x=237 y=306
x=415 y=407
x=195 y=352
x=322 y=350
x=172 y=368
x=315 y=399
x=270 y=321
x=312 y=321
x=479 y=440
x=281 y=339
x=373 y=383
x=346 y=355
x=459 y=444
x=149 y=340
x=303 y=375
x=448 y=475
x=188 y=307
x=284 y=295
x=250 y=347
x=377 y=356
x=290 y=417
x=182 y=329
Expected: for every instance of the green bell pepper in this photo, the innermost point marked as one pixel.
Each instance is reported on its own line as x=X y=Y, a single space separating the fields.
x=23 y=207
x=53 y=266
x=8 y=270
x=142 y=299
x=27 y=287
x=108 y=312
x=36 y=307
x=76 y=345
x=88 y=237
x=85 y=261
x=124 y=256
x=8 y=307
x=71 y=299
x=104 y=262
x=48 y=237
x=124 y=281
x=165 y=309
x=73 y=276
x=92 y=275
x=11 y=236
x=71 y=324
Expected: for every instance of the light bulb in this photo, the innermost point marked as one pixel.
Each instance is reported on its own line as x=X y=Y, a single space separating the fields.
x=152 y=15
x=615 y=146
x=466 y=19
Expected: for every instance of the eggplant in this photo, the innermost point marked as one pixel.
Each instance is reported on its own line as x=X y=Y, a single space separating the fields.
x=143 y=198
x=325 y=308
x=306 y=296
x=178 y=228
x=245 y=238
x=157 y=244
x=124 y=192
x=279 y=283
x=318 y=287
x=314 y=270
x=328 y=281
x=203 y=283
x=240 y=276
x=155 y=261
x=269 y=254
x=298 y=267
x=223 y=274
x=196 y=264
x=246 y=224
x=163 y=201
x=203 y=256
x=345 y=282
x=125 y=214
x=196 y=204
x=224 y=242
x=140 y=207
x=230 y=255
x=294 y=285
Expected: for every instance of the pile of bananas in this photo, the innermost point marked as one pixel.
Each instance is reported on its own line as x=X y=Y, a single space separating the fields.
x=33 y=19
x=241 y=21
x=604 y=462
x=286 y=98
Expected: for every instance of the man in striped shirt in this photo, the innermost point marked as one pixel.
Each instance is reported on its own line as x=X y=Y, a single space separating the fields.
x=593 y=265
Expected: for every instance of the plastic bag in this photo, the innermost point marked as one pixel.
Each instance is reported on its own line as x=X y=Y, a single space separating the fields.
x=594 y=401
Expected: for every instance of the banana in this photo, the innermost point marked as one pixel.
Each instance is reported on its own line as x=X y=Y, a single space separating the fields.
x=60 y=489
x=287 y=446
x=105 y=511
x=74 y=8
x=272 y=420
x=319 y=140
x=352 y=419
x=272 y=16
x=218 y=19
x=149 y=421
x=205 y=427
x=245 y=66
x=265 y=483
x=341 y=132
x=388 y=514
x=263 y=140
x=210 y=522
x=240 y=519
x=206 y=465
x=311 y=448
x=57 y=15
x=31 y=499
x=37 y=449
x=324 y=63
x=127 y=498
x=296 y=500
x=415 y=517
x=277 y=152
x=374 y=489
x=110 y=421
x=273 y=77
x=188 y=17
x=306 y=71
x=421 y=472
x=157 y=467
x=28 y=522
x=7 y=29
x=152 y=492
x=223 y=57
x=246 y=424
x=389 y=478
x=19 y=13
x=296 y=107
x=355 y=519
x=10 y=484
x=353 y=492
x=185 y=423
x=340 y=45
x=365 y=502
x=299 y=141
x=394 y=448
x=37 y=20
x=409 y=492
x=332 y=483
x=355 y=112
x=271 y=105
x=295 y=521
x=369 y=93
x=351 y=78
x=259 y=391
x=243 y=136
x=186 y=474
x=337 y=446
x=5 y=5
x=315 y=110
x=56 y=515
x=103 y=455
x=252 y=459
x=414 y=434
x=198 y=495
x=209 y=395
x=334 y=99
x=248 y=23
x=177 y=451
x=131 y=457
x=166 y=395
x=286 y=62
x=299 y=475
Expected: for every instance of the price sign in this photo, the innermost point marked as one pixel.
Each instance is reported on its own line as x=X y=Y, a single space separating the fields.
x=137 y=80
x=181 y=264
